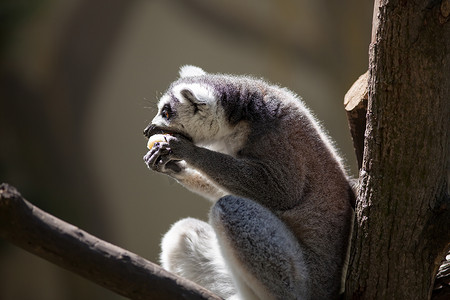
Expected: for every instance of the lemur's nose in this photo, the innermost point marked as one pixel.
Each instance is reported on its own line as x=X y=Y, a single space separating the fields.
x=148 y=130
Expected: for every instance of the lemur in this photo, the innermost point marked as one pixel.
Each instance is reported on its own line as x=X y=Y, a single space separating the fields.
x=281 y=216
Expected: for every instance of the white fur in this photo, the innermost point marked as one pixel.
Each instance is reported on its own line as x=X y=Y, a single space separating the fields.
x=203 y=93
x=188 y=242
x=218 y=136
x=228 y=140
x=158 y=119
x=198 y=183
x=188 y=71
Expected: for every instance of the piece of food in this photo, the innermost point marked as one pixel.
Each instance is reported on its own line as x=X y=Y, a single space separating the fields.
x=156 y=138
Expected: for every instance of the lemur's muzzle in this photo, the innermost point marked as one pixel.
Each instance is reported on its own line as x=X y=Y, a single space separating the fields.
x=153 y=129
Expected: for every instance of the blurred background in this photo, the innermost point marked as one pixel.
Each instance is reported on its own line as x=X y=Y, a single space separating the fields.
x=79 y=81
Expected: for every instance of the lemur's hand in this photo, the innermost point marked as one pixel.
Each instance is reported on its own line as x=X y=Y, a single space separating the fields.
x=166 y=156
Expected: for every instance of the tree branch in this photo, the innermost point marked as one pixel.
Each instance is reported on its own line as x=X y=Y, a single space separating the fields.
x=355 y=102
x=67 y=246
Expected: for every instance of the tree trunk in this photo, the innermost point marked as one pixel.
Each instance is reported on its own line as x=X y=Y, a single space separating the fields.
x=402 y=223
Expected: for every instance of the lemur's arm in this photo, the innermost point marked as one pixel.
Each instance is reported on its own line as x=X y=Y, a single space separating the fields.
x=243 y=177
x=198 y=183
x=187 y=176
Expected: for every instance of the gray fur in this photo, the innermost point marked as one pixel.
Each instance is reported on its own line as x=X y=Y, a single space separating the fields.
x=283 y=234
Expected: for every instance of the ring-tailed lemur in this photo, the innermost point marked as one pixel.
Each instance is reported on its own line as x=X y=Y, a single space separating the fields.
x=280 y=223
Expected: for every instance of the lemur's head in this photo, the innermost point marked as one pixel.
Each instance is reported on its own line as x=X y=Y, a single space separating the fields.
x=190 y=108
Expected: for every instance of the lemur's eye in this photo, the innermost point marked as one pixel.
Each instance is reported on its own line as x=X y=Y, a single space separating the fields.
x=166 y=112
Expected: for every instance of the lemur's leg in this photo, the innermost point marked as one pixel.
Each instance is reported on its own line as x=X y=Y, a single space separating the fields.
x=190 y=249
x=253 y=238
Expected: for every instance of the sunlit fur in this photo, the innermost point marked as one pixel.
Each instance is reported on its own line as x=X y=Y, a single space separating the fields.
x=281 y=215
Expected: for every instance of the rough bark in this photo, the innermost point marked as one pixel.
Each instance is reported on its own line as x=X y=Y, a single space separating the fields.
x=355 y=102
x=67 y=246
x=401 y=232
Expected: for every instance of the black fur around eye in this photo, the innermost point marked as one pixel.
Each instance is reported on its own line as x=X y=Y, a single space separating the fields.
x=166 y=112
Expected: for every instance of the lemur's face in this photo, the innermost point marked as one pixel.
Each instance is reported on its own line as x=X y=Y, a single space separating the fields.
x=190 y=109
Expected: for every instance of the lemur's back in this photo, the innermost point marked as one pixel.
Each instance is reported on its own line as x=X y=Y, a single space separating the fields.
x=313 y=185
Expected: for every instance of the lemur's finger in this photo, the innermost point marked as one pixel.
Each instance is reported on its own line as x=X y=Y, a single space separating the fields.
x=155 y=157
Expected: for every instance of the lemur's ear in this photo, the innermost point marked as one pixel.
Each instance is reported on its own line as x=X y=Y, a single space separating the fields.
x=188 y=95
x=193 y=93
x=197 y=103
x=190 y=71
